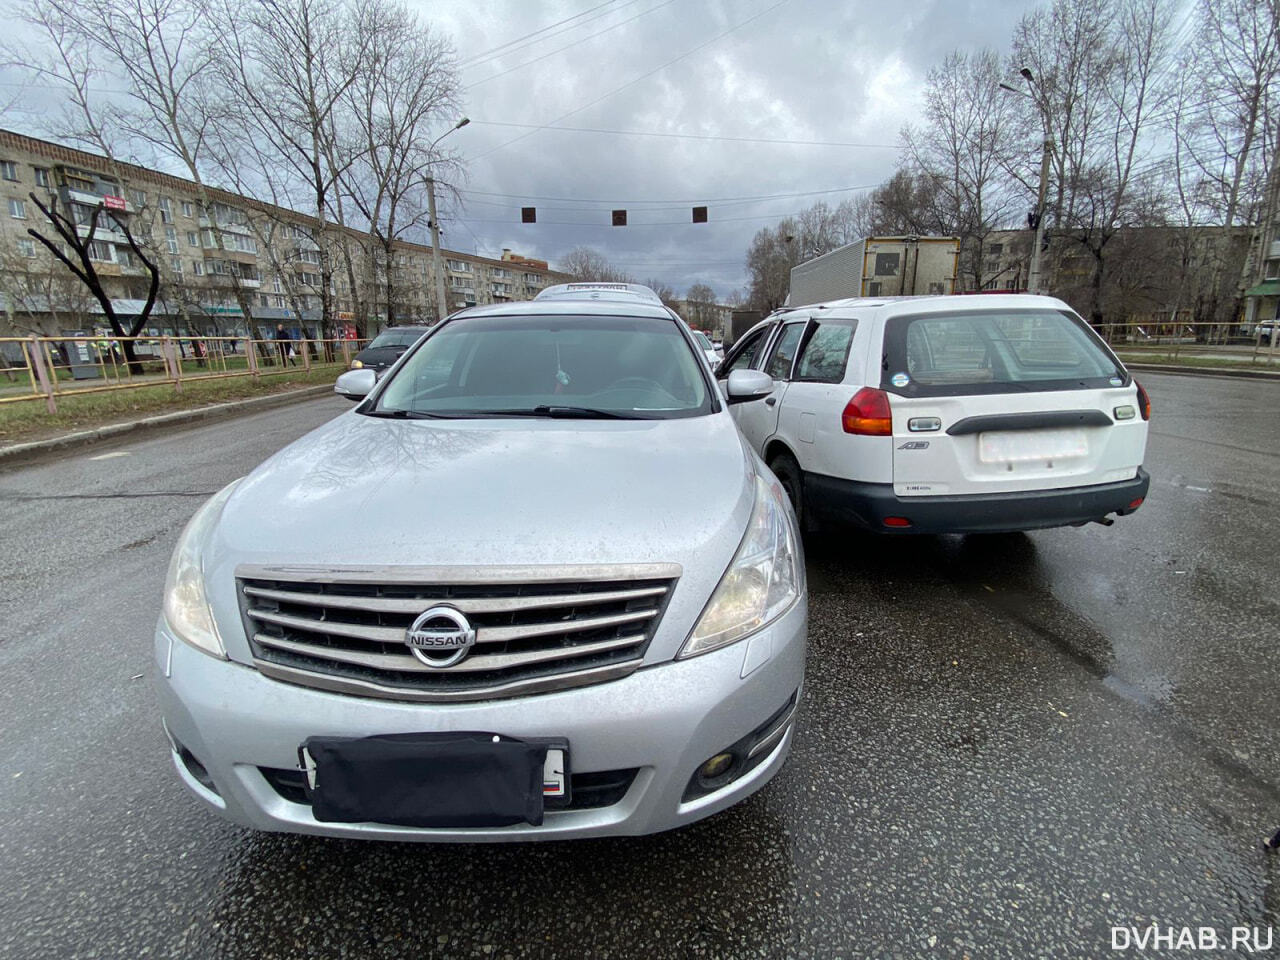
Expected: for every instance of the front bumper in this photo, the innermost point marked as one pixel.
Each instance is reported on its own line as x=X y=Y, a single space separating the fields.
x=868 y=504
x=664 y=721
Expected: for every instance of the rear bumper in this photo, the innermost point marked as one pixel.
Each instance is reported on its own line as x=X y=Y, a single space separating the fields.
x=868 y=504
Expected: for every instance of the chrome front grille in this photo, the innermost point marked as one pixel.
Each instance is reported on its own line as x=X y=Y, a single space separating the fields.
x=537 y=628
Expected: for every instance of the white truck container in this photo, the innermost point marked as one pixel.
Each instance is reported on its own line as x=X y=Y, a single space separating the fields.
x=878 y=267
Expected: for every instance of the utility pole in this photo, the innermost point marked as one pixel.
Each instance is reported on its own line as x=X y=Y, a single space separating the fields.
x=1033 y=275
x=436 y=266
x=1037 y=216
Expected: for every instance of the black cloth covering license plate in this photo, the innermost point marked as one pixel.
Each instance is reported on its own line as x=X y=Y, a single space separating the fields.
x=461 y=779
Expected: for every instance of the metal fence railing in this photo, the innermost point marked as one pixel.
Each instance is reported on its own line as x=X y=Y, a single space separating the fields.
x=1209 y=344
x=46 y=368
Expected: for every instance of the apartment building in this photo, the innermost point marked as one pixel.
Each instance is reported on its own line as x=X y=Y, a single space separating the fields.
x=227 y=263
x=1151 y=275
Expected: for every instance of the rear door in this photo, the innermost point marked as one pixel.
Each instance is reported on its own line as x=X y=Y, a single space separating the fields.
x=998 y=400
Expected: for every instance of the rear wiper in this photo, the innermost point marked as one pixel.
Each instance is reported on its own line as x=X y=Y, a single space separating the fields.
x=399 y=414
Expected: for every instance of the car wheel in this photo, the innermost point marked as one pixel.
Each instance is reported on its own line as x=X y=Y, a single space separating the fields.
x=787 y=471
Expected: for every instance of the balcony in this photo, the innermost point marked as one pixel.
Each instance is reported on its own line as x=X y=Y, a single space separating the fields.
x=240 y=228
x=93 y=199
x=1274 y=251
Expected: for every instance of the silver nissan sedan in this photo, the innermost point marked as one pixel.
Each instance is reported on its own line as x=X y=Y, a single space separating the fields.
x=534 y=585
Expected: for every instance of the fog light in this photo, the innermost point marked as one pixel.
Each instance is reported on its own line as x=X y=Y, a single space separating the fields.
x=716 y=767
x=1135 y=504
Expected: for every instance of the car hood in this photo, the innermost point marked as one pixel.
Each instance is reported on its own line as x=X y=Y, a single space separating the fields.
x=380 y=356
x=365 y=491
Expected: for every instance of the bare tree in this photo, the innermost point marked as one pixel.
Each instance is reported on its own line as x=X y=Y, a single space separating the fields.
x=1098 y=85
x=405 y=88
x=167 y=53
x=77 y=253
x=585 y=264
x=700 y=303
x=969 y=139
x=290 y=64
x=1227 y=119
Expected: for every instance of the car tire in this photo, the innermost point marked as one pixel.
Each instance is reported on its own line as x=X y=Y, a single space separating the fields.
x=788 y=472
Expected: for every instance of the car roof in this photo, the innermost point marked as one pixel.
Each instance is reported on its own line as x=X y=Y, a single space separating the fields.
x=599 y=290
x=947 y=303
x=567 y=308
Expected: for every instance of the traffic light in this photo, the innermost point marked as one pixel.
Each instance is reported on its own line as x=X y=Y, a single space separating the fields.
x=528 y=214
x=699 y=214
x=619 y=218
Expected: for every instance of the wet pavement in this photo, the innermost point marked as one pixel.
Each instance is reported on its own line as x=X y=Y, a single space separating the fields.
x=1009 y=744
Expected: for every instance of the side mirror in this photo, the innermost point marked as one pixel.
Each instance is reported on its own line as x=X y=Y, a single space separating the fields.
x=746 y=385
x=355 y=384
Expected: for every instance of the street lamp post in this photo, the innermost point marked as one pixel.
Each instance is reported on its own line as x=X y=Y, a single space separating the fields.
x=1037 y=216
x=436 y=265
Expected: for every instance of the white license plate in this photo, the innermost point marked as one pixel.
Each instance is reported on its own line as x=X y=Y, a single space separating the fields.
x=553 y=776
x=1023 y=446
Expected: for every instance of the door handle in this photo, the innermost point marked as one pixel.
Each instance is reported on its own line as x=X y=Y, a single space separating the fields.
x=770 y=401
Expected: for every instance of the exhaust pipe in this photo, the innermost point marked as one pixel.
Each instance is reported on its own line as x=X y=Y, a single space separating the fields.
x=1105 y=521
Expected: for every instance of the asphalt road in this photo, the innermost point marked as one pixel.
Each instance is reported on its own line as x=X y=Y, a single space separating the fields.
x=1009 y=744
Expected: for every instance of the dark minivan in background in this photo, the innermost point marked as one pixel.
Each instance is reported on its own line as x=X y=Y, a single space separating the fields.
x=386 y=348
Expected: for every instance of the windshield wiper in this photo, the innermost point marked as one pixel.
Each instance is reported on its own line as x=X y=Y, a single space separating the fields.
x=399 y=414
x=593 y=413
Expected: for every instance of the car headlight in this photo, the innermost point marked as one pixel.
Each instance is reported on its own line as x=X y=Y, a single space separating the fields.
x=763 y=581
x=357 y=364
x=186 y=608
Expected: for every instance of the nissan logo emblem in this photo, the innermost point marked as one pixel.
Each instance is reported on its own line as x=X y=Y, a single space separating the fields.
x=440 y=637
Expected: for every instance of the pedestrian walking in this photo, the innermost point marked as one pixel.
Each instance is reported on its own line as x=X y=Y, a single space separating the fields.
x=283 y=346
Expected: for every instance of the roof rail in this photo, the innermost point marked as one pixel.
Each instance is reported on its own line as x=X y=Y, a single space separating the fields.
x=599 y=291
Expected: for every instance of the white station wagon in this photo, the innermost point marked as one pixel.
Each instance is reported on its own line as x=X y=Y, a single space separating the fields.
x=955 y=414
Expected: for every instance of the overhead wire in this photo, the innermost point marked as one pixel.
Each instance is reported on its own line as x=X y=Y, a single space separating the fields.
x=635 y=80
x=503 y=49
x=580 y=40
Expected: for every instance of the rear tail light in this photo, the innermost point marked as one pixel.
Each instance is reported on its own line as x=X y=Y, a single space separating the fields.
x=1144 y=402
x=896 y=522
x=868 y=414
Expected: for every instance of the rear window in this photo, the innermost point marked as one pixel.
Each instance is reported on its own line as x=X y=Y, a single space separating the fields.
x=396 y=338
x=991 y=351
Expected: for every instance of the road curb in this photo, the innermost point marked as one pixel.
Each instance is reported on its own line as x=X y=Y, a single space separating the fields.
x=21 y=452
x=1204 y=371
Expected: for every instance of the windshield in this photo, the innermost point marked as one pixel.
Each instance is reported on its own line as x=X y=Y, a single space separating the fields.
x=396 y=338
x=703 y=341
x=633 y=367
x=994 y=352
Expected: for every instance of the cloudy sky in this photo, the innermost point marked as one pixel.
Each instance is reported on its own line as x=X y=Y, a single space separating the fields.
x=796 y=70
x=704 y=82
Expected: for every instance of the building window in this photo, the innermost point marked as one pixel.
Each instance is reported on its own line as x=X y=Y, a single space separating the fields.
x=42 y=177
x=275 y=284
x=176 y=264
x=139 y=197
x=27 y=247
x=193 y=238
x=197 y=267
x=187 y=209
x=459 y=266
x=171 y=239
x=995 y=249
x=8 y=169
x=166 y=211
x=263 y=300
x=18 y=209
x=100 y=251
